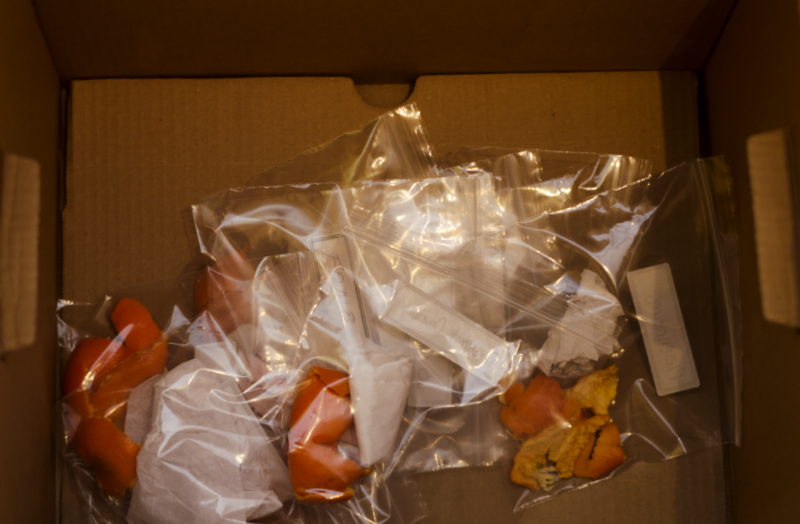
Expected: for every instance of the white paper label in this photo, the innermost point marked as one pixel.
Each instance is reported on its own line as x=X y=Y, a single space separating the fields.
x=449 y=333
x=663 y=330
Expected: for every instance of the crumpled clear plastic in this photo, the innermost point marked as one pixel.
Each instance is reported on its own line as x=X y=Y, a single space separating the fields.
x=680 y=219
x=213 y=426
x=394 y=146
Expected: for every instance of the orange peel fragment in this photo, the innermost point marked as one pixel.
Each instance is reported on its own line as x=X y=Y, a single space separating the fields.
x=132 y=320
x=112 y=454
x=534 y=408
x=601 y=455
x=320 y=415
x=91 y=359
x=110 y=398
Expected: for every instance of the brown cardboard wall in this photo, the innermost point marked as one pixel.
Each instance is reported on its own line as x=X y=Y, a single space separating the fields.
x=375 y=41
x=29 y=109
x=752 y=85
x=142 y=150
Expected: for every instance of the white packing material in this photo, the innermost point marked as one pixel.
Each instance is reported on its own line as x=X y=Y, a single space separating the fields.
x=139 y=413
x=207 y=459
x=380 y=378
x=566 y=354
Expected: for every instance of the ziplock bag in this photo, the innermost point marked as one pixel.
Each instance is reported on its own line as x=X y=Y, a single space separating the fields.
x=675 y=388
x=476 y=331
x=446 y=211
x=544 y=182
x=663 y=245
x=547 y=180
x=204 y=437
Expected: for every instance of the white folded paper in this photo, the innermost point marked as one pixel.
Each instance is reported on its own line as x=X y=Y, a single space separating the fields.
x=139 y=413
x=379 y=380
x=206 y=460
x=593 y=313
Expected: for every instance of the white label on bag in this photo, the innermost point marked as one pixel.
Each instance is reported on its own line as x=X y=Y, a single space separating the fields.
x=449 y=333
x=663 y=330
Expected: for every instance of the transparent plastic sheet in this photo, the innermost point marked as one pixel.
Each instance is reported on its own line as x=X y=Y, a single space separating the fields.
x=264 y=221
x=547 y=180
x=213 y=428
x=393 y=146
x=674 y=220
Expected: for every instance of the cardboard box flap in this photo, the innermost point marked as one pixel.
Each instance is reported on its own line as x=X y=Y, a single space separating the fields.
x=752 y=83
x=29 y=114
x=375 y=42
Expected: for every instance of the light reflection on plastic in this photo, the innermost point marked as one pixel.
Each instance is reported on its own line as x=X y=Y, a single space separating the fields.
x=378 y=162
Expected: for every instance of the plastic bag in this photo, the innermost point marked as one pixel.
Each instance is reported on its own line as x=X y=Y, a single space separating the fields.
x=264 y=221
x=547 y=180
x=660 y=245
x=476 y=329
x=394 y=146
x=212 y=429
x=550 y=181
x=658 y=236
x=446 y=212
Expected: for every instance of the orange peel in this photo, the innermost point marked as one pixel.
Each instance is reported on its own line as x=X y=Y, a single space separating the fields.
x=601 y=455
x=320 y=415
x=91 y=359
x=534 y=408
x=320 y=474
x=112 y=454
x=133 y=320
x=110 y=398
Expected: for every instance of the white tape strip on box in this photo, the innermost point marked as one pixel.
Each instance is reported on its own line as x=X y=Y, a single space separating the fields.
x=19 y=250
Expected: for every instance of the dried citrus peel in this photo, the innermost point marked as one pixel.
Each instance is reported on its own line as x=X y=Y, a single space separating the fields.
x=534 y=408
x=320 y=416
x=567 y=440
x=601 y=455
x=111 y=397
x=112 y=371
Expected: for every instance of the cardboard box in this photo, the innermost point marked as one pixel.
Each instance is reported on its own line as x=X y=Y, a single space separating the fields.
x=134 y=152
